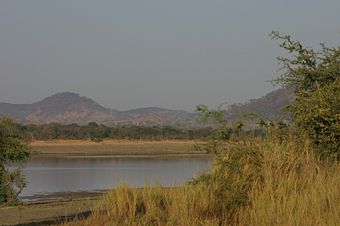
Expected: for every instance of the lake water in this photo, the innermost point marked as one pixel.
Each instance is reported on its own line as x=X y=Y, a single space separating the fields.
x=54 y=174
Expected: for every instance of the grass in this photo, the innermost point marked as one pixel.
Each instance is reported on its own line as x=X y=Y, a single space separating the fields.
x=297 y=190
x=253 y=182
x=115 y=147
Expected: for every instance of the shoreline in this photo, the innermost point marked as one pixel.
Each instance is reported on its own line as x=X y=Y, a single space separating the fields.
x=117 y=148
x=108 y=141
x=53 y=209
x=62 y=196
x=131 y=156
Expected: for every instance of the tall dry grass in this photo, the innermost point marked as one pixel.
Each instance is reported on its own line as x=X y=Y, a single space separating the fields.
x=297 y=189
x=253 y=182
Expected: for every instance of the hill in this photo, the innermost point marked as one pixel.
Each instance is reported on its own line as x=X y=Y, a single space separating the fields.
x=68 y=108
x=269 y=106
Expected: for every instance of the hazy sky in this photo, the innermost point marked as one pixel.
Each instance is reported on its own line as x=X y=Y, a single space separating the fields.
x=174 y=54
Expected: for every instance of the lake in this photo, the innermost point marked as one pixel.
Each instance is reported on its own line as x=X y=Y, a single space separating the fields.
x=46 y=175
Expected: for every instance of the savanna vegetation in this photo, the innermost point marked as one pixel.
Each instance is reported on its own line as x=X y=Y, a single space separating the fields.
x=288 y=176
x=98 y=132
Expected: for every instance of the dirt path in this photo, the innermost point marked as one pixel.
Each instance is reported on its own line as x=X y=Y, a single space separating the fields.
x=50 y=210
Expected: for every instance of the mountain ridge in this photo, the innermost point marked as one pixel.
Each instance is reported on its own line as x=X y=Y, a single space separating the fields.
x=69 y=107
x=269 y=106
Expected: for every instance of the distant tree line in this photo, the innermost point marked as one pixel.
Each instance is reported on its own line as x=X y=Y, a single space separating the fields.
x=98 y=132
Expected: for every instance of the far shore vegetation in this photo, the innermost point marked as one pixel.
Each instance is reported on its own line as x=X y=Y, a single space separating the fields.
x=98 y=132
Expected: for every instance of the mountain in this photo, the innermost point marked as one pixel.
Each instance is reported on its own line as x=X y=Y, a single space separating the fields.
x=269 y=106
x=67 y=108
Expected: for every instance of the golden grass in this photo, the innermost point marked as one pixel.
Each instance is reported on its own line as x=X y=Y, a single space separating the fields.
x=293 y=188
x=115 y=147
x=297 y=190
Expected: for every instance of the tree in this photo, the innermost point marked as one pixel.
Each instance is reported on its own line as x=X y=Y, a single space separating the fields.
x=12 y=150
x=316 y=78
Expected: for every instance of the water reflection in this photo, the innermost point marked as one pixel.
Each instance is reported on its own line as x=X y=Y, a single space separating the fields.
x=48 y=175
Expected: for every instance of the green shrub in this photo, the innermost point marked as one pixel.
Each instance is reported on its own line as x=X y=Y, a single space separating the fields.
x=316 y=78
x=12 y=149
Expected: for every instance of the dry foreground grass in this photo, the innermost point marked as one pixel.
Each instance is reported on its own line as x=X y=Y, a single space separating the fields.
x=116 y=148
x=288 y=186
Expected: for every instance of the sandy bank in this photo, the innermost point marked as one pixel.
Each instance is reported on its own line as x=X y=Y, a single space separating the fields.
x=116 y=147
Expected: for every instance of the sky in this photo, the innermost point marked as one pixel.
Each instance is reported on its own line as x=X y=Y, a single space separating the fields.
x=174 y=54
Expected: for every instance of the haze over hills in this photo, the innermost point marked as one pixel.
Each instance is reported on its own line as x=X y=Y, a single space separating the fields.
x=68 y=108
x=269 y=106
